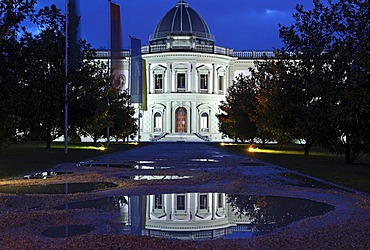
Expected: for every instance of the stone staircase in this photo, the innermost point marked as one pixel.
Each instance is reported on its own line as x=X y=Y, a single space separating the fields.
x=180 y=138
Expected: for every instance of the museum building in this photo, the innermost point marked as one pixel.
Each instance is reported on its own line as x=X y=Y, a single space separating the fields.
x=187 y=77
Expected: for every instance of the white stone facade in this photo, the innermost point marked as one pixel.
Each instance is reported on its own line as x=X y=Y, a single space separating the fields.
x=187 y=77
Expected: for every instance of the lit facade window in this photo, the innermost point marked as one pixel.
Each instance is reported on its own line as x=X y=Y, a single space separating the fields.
x=158 y=202
x=220 y=83
x=157 y=122
x=204 y=121
x=158 y=80
x=141 y=121
x=180 y=202
x=203 y=82
x=220 y=201
x=203 y=201
x=181 y=81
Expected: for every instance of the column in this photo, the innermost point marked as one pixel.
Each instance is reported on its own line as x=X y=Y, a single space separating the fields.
x=211 y=79
x=150 y=83
x=194 y=118
x=215 y=79
x=168 y=206
x=193 y=78
x=168 y=117
x=188 y=79
x=193 y=208
x=150 y=202
x=226 y=80
x=167 y=85
x=213 y=206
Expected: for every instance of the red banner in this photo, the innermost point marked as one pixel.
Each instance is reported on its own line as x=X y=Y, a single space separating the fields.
x=115 y=45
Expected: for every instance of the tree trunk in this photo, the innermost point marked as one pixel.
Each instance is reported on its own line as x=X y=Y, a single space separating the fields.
x=349 y=153
x=307 y=147
x=48 y=139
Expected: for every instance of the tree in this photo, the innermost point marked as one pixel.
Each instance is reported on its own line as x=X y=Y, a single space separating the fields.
x=273 y=112
x=235 y=120
x=88 y=96
x=120 y=115
x=331 y=43
x=43 y=54
x=12 y=13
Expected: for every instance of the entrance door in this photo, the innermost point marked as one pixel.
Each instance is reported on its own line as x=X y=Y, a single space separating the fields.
x=181 y=120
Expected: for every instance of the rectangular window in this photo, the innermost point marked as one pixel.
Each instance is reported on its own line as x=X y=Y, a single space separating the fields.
x=219 y=201
x=181 y=81
x=203 y=81
x=180 y=202
x=158 y=79
x=203 y=201
x=220 y=83
x=158 y=202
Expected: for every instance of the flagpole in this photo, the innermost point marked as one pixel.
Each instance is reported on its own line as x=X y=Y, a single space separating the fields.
x=66 y=82
x=109 y=61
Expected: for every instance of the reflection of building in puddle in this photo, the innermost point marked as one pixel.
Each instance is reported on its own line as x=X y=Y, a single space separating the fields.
x=182 y=216
x=139 y=166
x=205 y=160
x=145 y=162
x=189 y=216
x=211 y=215
x=154 y=177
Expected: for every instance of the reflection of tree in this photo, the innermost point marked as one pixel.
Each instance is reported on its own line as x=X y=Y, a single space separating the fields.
x=270 y=212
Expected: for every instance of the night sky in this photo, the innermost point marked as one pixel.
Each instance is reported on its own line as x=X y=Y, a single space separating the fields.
x=237 y=24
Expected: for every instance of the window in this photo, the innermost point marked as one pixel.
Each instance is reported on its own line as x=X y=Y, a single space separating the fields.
x=158 y=202
x=158 y=80
x=157 y=122
x=203 y=81
x=141 y=121
x=180 y=202
x=220 y=83
x=204 y=122
x=181 y=81
x=203 y=201
x=220 y=201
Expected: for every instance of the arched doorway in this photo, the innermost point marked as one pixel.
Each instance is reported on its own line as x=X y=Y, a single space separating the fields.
x=181 y=117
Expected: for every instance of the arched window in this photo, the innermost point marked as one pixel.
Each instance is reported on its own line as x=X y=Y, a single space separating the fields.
x=204 y=122
x=157 y=122
x=141 y=121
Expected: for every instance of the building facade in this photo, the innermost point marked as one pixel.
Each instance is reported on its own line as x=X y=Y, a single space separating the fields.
x=187 y=76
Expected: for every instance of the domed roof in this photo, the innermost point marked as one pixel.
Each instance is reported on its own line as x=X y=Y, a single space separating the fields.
x=182 y=20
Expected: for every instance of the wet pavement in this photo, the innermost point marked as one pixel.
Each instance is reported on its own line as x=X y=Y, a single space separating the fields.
x=186 y=191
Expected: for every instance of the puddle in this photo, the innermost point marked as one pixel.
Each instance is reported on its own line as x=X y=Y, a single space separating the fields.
x=67 y=231
x=44 y=175
x=201 y=216
x=154 y=177
x=150 y=167
x=145 y=162
x=302 y=181
x=107 y=204
x=61 y=188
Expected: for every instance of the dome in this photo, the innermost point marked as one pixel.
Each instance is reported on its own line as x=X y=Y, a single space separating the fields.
x=182 y=20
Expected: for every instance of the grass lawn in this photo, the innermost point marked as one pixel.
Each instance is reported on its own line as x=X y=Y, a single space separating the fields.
x=32 y=156
x=320 y=163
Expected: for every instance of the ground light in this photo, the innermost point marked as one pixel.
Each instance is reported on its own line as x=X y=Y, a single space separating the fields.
x=100 y=148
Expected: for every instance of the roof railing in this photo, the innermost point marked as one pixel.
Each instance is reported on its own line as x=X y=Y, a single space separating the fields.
x=159 y=48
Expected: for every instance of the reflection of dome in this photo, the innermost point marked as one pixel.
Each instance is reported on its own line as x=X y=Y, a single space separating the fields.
x=182 y=20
